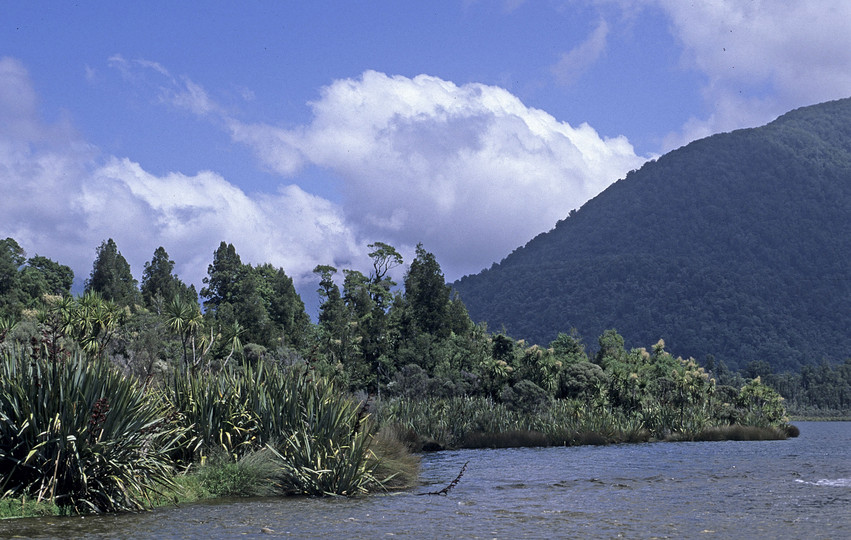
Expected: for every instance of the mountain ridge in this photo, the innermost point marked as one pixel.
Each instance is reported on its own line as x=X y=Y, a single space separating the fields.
x=737 y=245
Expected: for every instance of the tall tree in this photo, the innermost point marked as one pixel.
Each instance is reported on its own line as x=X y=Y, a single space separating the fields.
x=12 y=256
x=371 y=298
x=427 y=294
x=111 y=276
x=222 y=277
x=333 y=316
x=158 y=281
x=285 y=307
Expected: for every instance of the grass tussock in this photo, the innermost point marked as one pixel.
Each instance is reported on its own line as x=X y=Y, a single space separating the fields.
x=395 y=463
x=24 y=507
x=252 y=475
x=739 y=433
x=509 y=439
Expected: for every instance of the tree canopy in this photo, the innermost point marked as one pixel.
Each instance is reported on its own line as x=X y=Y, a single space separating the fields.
x=111 y=276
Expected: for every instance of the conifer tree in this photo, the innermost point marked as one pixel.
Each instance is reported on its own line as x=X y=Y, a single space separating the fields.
x=111 y=276
x=158 y=282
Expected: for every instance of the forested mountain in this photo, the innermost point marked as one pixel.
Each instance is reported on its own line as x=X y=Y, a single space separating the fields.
x=737 y=246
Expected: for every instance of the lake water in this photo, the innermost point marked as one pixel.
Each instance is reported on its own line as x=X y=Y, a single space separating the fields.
x=798 y=488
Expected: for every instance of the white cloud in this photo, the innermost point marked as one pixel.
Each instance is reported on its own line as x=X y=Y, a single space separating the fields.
x=192 y=214
x=575 y=62
x=762 y=58
x=61 y=199
x=468 y=170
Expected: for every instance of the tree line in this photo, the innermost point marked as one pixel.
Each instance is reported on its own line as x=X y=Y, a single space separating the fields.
x=373 y=335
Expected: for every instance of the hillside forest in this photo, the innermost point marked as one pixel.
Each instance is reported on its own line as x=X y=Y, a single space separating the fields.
x=736 y=246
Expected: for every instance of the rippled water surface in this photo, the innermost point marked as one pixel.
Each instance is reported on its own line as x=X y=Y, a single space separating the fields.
x=799 y=488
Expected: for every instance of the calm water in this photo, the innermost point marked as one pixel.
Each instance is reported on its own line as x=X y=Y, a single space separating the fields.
x=799 y=488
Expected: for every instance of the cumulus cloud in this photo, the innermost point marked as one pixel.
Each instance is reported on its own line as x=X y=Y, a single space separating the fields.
x=290 y=228
x=468 y=170
x=62 y=198
x=761 y=58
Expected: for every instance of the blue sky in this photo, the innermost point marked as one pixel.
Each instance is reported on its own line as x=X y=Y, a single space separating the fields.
x=302 y=131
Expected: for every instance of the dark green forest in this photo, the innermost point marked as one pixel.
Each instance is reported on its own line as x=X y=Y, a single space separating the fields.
x=414 y=339
x=735 y=249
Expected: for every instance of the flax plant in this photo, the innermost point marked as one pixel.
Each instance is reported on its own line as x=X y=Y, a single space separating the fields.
x=215 y=410
x=77 y=433
x=327 y=450
x=318 y=433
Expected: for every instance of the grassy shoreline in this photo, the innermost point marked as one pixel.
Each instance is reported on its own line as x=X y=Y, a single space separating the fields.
x=229 y=479
x=114 y=444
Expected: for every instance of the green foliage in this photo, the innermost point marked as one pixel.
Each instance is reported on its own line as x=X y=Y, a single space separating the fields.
x=42 y=276
x=160 y=285
x=59 y=325
x=320 y=435
x=215 y=413
x=111 y=276
x=325 y=446
x=222 y=277
x=12 y=256
x=582 y=380
x=763 y=405
x=427 y=295
x=261 y=300
x=22 y=507
x=524 y=396
x=23 y=282
x=77 y=433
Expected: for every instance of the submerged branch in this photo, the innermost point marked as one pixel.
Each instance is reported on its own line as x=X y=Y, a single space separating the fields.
x=451 y=485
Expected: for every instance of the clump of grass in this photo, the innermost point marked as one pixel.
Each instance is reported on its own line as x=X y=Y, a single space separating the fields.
x=735 y=433
x=24 y=507
x=396 y=465
x=327 y=452
x=252 y=475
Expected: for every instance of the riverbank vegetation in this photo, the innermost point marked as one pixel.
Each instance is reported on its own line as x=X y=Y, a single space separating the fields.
x=130 y=396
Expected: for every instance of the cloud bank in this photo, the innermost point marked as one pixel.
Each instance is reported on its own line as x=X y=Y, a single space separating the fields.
x=62 y=198
x=469 y=170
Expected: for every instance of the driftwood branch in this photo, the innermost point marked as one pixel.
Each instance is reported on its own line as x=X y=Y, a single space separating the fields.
x=451 y=485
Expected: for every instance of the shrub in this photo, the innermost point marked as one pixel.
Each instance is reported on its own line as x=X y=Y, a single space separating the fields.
x=524 y=396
